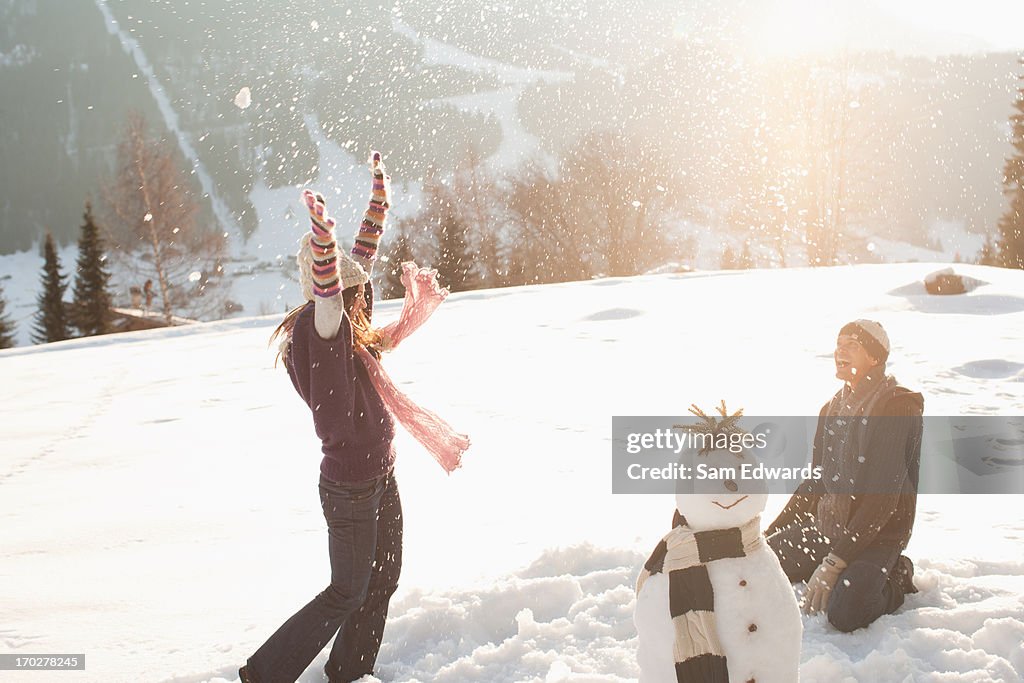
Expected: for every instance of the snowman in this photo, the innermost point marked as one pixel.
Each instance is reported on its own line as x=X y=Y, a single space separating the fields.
x=713 y=604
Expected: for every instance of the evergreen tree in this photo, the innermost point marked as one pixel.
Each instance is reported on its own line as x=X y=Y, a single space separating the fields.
x=989 y=254
x=455 y=260
x=91 y=308
x=1011 y=225
x=51 y=321
x=6 y=325
x=439 y=218
x=729 y=261
x=398 y=250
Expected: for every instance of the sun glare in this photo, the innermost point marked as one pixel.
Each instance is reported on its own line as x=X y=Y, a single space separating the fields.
x=793 y=27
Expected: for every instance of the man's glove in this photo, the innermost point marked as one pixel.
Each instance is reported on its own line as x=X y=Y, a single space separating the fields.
x=821 y=583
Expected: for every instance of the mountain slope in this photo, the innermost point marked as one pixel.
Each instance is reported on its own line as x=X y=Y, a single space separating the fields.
x=429 y=82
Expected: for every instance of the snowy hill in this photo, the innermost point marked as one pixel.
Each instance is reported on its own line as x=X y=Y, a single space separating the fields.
x=158 y=489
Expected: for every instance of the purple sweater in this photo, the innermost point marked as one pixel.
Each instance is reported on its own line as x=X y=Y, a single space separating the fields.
x=348 y=413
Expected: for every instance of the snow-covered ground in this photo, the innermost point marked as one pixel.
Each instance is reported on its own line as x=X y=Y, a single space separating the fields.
x=158 y=505
x=261 y=270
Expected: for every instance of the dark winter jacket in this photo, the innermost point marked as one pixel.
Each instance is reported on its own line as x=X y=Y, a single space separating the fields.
x=885 y=503
x=348 y=413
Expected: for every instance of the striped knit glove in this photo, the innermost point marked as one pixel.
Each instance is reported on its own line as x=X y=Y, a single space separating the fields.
x=323 y=245
x=372 y=227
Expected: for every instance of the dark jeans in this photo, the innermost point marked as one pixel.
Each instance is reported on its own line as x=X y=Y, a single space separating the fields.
x=364 y=531
x=868 y=587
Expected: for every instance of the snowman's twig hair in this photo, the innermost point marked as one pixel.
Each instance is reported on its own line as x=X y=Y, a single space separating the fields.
x=728 y=424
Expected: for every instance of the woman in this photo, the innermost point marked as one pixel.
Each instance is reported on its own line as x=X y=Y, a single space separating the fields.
x=358 y=494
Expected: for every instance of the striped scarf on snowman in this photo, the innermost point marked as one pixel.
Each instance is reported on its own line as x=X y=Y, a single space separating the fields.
x=684 y=553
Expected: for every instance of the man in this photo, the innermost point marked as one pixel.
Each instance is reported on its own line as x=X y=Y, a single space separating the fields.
x=844 y=533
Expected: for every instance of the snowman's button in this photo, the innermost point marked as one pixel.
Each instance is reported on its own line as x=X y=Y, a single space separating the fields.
x=743 y=582
x=752 y=628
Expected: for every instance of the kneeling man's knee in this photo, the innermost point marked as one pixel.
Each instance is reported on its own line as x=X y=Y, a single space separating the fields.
x=855 y=600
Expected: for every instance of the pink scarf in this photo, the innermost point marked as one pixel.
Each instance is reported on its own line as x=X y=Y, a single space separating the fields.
x=422 y=297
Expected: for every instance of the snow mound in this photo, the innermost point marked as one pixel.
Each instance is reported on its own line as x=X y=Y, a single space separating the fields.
x=568 y=617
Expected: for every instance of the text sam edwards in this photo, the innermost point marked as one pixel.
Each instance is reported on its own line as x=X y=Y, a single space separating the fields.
x=704 y=471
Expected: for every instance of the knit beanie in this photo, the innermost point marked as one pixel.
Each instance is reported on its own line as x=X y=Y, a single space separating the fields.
x=350 y=273
x=870 y=335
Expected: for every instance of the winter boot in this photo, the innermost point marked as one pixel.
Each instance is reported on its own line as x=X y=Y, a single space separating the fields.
x=905 y=574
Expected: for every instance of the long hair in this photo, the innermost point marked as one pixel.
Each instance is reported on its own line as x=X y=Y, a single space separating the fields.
x=363 y=334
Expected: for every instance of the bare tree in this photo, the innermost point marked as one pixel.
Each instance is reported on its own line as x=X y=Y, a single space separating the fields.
x=610 y=190
x=151 y=208
x=478 y=198
x=827 y=123
x=846 y=164
x=541 y=242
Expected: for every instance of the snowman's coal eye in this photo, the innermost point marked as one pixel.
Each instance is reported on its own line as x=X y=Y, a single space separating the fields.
x=731 y=485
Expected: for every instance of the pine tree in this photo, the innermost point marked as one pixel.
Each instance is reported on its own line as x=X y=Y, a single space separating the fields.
x=6 y=324
x=989 y=254
x=91 y=308
x=51 y=321
x=398 y=250
x=729 y=261
x=439 y=218
x=1011 y=225
x=455 y=262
